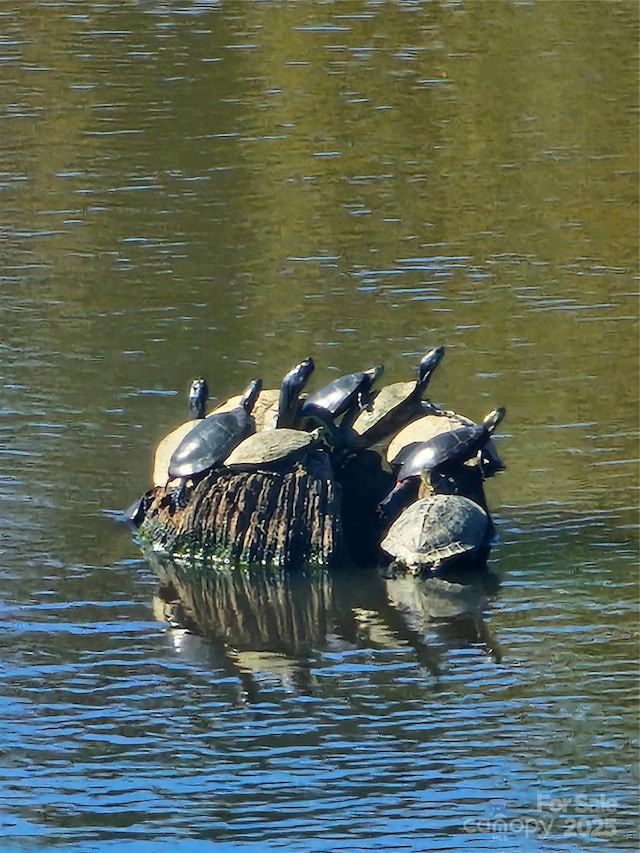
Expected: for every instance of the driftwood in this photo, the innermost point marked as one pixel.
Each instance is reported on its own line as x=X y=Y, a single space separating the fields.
x=287 y=518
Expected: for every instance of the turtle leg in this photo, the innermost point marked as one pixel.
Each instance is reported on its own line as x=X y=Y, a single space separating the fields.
x=179 y=496
x=400 y=496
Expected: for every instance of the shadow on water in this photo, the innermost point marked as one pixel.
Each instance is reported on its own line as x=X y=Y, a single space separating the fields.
x=264 y=622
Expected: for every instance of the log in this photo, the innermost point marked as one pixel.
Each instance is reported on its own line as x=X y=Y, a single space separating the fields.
x=288 y=519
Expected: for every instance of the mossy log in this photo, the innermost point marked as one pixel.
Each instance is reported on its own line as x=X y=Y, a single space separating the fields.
x=285 y=518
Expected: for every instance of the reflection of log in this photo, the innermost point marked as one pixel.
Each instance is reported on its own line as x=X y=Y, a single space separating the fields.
x=257 y=609
x=261 y=618
x=286 y=519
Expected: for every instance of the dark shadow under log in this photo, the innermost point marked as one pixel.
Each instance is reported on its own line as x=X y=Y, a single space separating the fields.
x=285 y=518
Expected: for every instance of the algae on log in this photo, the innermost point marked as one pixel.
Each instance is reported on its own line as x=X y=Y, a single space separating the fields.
x=288 y=519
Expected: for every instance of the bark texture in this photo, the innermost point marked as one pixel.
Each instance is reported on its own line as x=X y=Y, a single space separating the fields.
x=287 y=518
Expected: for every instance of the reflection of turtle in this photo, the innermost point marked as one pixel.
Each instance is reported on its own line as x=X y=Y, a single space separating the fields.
x=437 y=457
x=277 y=448
x=198 y=395
x=435 y=423
x=213 y=438
x=350 y=392
x=437 y=531
x=396 y=404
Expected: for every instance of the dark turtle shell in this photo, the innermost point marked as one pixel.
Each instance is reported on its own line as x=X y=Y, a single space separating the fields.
x=434 y=423
x=213 y=438
x=396 y=404
x=435 y=530
x=341 y=394
x=446 y=449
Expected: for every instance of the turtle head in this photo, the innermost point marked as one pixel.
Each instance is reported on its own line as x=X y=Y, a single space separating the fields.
x=365 y=395
x=428 y=364
x=290 y=389
x=374 y=373
x=198 y=396
x=426 y=367
x=250 y=395
x=494 y=417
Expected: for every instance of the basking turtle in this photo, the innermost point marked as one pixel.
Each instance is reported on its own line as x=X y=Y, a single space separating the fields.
x=276 y=448
x=198 y=395
x=213 y=438
x=436 y=531
x=435 y=423
x=347 y=393
x=433 y=459
x=276 y=407
x=396 y=404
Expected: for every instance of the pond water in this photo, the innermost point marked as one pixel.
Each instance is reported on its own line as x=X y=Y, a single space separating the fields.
x=196 y=188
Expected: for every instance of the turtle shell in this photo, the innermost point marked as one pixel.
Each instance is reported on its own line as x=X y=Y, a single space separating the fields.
x=213 y=438
x=434 y=423
x=339 y=395
x=271 y=448
x=441 y=451
x=435 y=530
x=391 y=408
x=165 y=450
x=424 y=428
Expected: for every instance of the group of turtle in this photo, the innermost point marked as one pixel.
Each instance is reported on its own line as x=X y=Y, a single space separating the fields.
x=435 y=512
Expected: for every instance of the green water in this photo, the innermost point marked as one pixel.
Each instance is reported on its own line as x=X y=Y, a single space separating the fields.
x=191 y=188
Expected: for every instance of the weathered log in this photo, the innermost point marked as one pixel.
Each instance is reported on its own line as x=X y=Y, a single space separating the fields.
x=285 y=518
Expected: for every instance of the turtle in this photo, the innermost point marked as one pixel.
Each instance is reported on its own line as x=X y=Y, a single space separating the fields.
x=198 y=395
x=396 y=404
x=434 y=423
x=277 y=448
x=213 y=438
x=350 y=392
x=431 y=460
x=276 y=407
x=435 y=531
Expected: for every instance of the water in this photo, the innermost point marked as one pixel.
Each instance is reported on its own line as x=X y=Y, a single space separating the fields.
x=189 y=188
